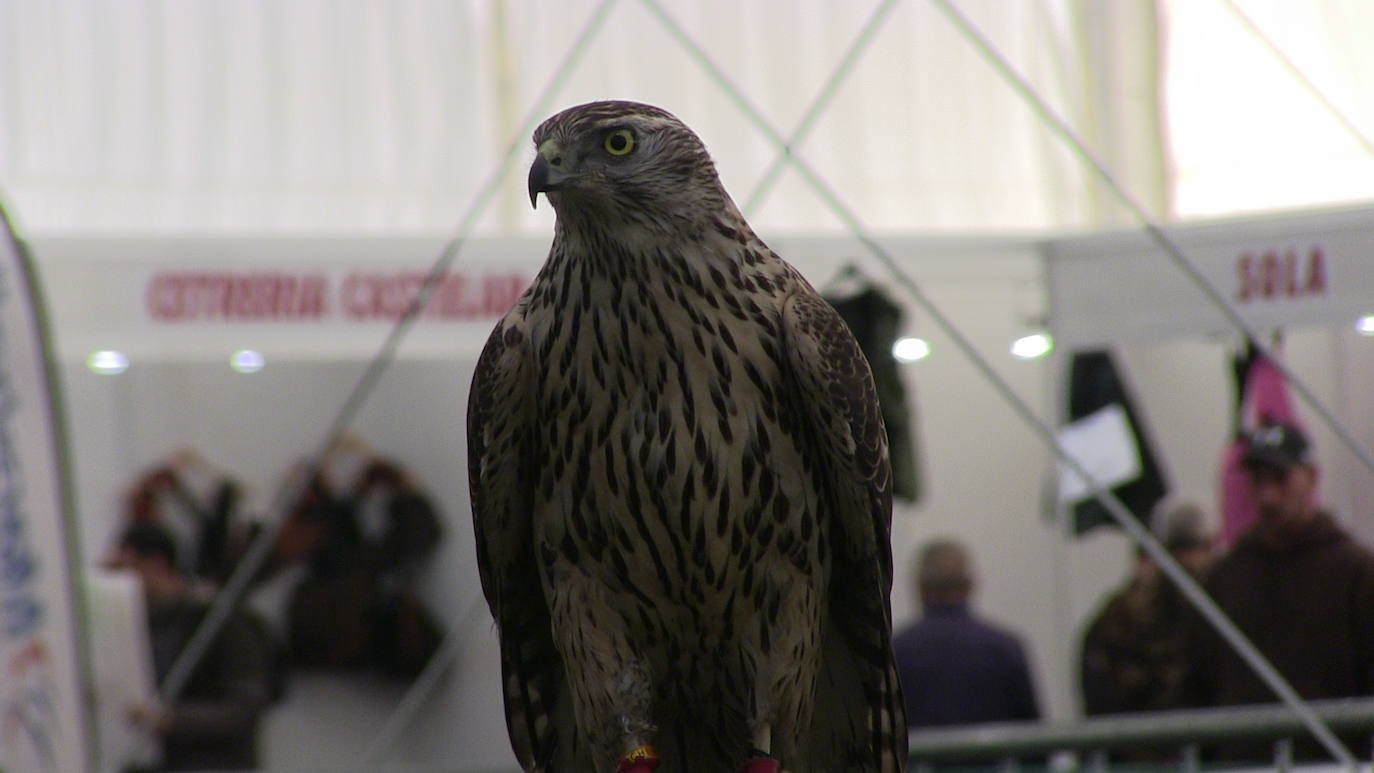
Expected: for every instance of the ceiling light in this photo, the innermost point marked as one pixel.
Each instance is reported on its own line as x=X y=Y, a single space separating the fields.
x=247 y=361
x=107 y=362
x=907 y=350
x=1032 y=347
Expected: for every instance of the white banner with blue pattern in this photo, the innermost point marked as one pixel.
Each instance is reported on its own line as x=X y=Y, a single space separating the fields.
x=42 y=710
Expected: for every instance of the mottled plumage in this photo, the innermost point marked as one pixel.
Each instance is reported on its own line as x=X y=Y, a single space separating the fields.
x=679 y=477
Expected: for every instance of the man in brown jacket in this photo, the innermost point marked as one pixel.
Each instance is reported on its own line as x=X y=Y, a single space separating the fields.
x=1296 y=584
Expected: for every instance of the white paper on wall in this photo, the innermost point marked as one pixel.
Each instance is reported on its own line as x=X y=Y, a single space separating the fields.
x=1103 y=445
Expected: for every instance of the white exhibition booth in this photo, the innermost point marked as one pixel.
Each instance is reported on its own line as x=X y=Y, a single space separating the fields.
x=1308 y=275
x=318 y=311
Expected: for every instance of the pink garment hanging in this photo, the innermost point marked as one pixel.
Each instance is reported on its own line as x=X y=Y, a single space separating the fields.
x=1264 y=400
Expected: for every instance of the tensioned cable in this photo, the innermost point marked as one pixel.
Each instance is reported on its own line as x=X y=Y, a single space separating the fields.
x=1171 y=247
x=420 y=690
x=1301 y=77
x=429 y=677
x=258 y=552
x=427 y=680
x=1120 y=514
x=414 y=699
x=1219 y=620
x=819 y=104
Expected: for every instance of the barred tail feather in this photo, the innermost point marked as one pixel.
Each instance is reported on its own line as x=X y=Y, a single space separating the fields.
x=860 y=722
x=539 y=714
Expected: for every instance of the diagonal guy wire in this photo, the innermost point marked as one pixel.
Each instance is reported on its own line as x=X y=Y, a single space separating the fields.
x=819 y=105
x=1302 y=78
x=260 y=549
x=1124 y=519
x=429 y=678
x=1152 y=226
x=414 y=698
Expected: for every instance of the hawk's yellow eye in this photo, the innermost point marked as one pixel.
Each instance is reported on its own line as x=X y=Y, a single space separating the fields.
x=619 y=142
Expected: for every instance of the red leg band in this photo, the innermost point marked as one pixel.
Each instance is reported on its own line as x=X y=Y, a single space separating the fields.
x=642 y=759
x=761 y=765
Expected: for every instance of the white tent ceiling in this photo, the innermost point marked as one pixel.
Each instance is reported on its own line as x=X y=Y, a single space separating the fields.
x=307 y=116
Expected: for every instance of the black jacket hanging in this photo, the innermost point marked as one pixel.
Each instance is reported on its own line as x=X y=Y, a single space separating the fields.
x=1095 y=384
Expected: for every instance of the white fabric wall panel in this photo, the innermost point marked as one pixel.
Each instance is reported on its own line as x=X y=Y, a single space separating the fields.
x=1270 y=104
x=311 y=116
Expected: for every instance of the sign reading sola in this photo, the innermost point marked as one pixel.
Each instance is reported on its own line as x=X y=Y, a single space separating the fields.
x=1306 y=268
x=42 y=663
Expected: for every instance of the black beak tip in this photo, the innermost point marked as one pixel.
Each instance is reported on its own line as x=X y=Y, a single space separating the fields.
x=538 y=180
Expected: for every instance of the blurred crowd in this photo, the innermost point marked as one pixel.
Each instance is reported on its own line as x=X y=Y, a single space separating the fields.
x=345 y=556
x=337 y=589
x=1295 y=583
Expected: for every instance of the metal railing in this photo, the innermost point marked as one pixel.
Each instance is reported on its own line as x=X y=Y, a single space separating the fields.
x=1094 y=740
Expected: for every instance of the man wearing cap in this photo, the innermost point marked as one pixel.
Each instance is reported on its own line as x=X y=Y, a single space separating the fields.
x=1295 y=583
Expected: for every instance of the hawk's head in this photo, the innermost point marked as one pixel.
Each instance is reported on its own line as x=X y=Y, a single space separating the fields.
x=623 y=163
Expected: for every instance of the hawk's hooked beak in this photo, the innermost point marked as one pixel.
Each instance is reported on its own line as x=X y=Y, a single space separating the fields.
x=548 y=171
x=539 y=179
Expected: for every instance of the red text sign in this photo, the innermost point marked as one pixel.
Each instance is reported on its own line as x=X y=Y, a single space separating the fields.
x=1279 y=275
x=297 y=297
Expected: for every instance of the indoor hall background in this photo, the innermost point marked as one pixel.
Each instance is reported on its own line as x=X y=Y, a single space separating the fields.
x=380 y=119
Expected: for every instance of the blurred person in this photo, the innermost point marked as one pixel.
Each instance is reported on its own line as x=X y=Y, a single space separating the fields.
x=1296 y=584
x=364 y=544
x=200 y=506
x=955 y=667
x=213 y=724
x=1135 y=649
